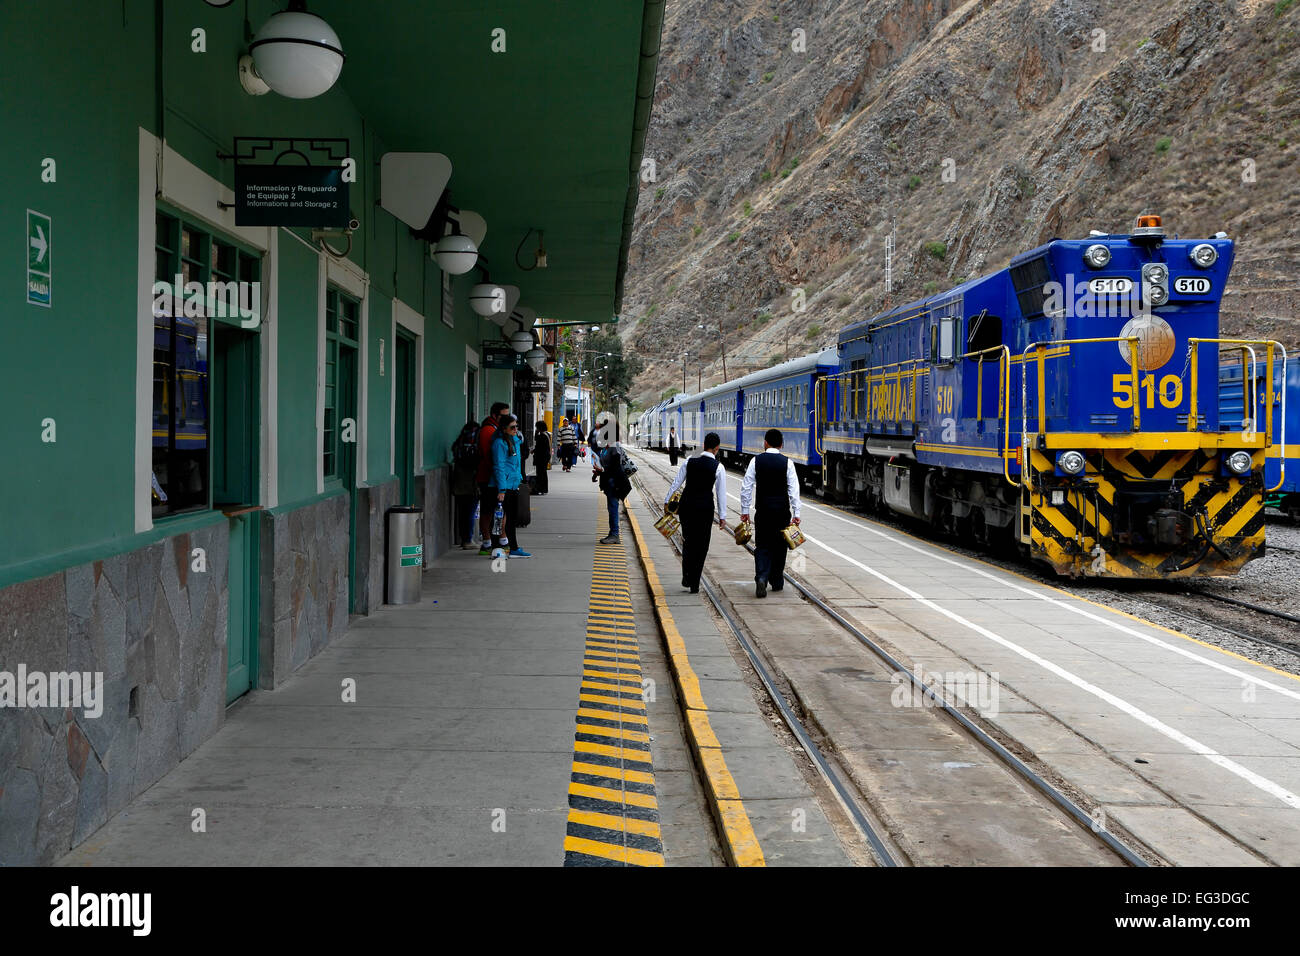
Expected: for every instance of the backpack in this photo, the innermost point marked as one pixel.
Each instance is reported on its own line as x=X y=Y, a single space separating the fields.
x=629 y=466
x=465 y=454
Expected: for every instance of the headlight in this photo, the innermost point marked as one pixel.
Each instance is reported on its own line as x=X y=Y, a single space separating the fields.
x=1155 y=283
x=1098 y=256
x=1204 y=255
x=1071 y=462
x=1239 y=462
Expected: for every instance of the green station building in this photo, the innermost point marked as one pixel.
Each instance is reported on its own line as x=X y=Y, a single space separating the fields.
x=194 y=496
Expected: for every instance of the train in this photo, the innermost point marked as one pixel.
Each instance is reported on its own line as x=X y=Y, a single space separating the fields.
x=1076 y=404
x=1282 y=457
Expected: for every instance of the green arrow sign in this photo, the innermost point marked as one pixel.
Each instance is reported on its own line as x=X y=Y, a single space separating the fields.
x=40 y=276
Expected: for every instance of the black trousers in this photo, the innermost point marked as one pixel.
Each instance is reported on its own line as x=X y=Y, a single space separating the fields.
x=487 y=504
x=543 y=480
x=511 y=508
x=697 y=530
x=770 y=549
x=672 y=454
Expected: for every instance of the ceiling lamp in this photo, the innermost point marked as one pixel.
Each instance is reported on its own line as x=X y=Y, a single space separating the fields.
x=536 y=358
x=296 y=53
x=521 y=341
x=456 y=254
x=489 y=300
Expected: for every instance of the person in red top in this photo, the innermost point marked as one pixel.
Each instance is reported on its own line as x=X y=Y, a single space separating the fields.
x=487 y=493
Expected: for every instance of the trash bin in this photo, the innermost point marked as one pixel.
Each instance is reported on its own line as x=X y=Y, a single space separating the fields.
x=405 y=554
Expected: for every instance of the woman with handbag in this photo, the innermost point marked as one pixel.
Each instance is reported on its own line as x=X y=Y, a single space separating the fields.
x=542 y=456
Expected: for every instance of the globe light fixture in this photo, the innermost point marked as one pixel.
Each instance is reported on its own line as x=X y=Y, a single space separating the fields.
x=521 y=341
x=296 y=54
x=489 y=300
x=536 y=358
x=455 y=254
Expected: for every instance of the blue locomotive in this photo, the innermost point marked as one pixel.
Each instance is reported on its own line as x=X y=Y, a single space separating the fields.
x=1069 y=403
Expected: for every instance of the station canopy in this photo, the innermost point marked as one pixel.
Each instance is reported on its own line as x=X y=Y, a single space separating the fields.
x=547 y=134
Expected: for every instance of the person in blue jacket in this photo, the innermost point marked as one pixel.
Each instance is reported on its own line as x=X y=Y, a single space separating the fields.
x=507 y=472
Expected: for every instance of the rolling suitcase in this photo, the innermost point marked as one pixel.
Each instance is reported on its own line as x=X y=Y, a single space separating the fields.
x=524 y=513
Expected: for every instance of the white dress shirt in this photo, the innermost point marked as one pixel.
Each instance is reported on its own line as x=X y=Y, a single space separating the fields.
x=791 y=484
x=719 y=485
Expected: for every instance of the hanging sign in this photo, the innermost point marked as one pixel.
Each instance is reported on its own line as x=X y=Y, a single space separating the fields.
x=502 y=356
x=301 y=184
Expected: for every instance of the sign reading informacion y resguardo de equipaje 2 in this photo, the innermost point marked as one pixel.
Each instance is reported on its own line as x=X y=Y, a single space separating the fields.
x=290 y=196
x=40 y=275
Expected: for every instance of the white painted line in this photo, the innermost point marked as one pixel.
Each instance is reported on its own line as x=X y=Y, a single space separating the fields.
x=1067 y=606
x=1195 y=746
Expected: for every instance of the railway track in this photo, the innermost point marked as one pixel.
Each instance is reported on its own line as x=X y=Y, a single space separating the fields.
x=1149 y=596
x=845 y=791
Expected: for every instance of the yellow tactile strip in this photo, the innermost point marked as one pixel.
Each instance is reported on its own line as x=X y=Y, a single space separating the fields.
x=613 y=810
x=740 y=841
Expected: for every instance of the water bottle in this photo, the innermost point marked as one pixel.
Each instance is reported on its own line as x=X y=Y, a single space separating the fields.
x=498 y=520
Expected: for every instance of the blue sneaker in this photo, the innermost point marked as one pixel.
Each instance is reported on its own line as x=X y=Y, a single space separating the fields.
x=520 y=553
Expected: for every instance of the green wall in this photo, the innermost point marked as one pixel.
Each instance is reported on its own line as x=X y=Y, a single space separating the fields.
x=87 y=75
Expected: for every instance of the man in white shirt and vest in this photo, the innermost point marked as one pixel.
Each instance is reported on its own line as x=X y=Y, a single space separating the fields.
x=772 y=486
x=705 y=485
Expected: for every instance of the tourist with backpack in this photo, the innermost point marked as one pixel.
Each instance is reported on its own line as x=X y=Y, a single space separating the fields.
x=464 y=484
x=611 y=466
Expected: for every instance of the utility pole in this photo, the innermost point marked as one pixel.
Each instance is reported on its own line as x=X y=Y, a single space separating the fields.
x=722 y=337
x=889 y=254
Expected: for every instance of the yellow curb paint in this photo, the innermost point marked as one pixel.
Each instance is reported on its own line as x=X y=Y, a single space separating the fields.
x=738 y=832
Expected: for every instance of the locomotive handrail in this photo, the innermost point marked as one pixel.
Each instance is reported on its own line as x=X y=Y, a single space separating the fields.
x=1004 y=398
x=1042 y=347
x=1193 y=354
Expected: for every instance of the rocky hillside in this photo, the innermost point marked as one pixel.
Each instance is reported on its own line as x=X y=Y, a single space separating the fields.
x=787 y=135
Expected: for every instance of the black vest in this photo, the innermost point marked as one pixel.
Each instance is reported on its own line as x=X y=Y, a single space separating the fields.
x=697 y=492
x=770 y=490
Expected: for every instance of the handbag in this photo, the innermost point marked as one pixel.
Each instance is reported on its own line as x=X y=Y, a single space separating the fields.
x=793 y=537
x=674 y=503
x=743 y=532
x=668 y=525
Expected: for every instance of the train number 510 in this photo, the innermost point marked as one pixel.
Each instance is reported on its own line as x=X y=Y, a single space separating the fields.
x=1169 y=391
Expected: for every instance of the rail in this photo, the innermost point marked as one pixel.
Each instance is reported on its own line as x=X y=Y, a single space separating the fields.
x=1193 y=358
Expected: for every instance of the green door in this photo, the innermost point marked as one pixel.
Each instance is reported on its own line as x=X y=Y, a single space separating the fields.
x=404 y=418
x=235 y=362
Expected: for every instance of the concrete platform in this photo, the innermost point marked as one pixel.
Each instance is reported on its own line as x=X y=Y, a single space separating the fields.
x=458 y=748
